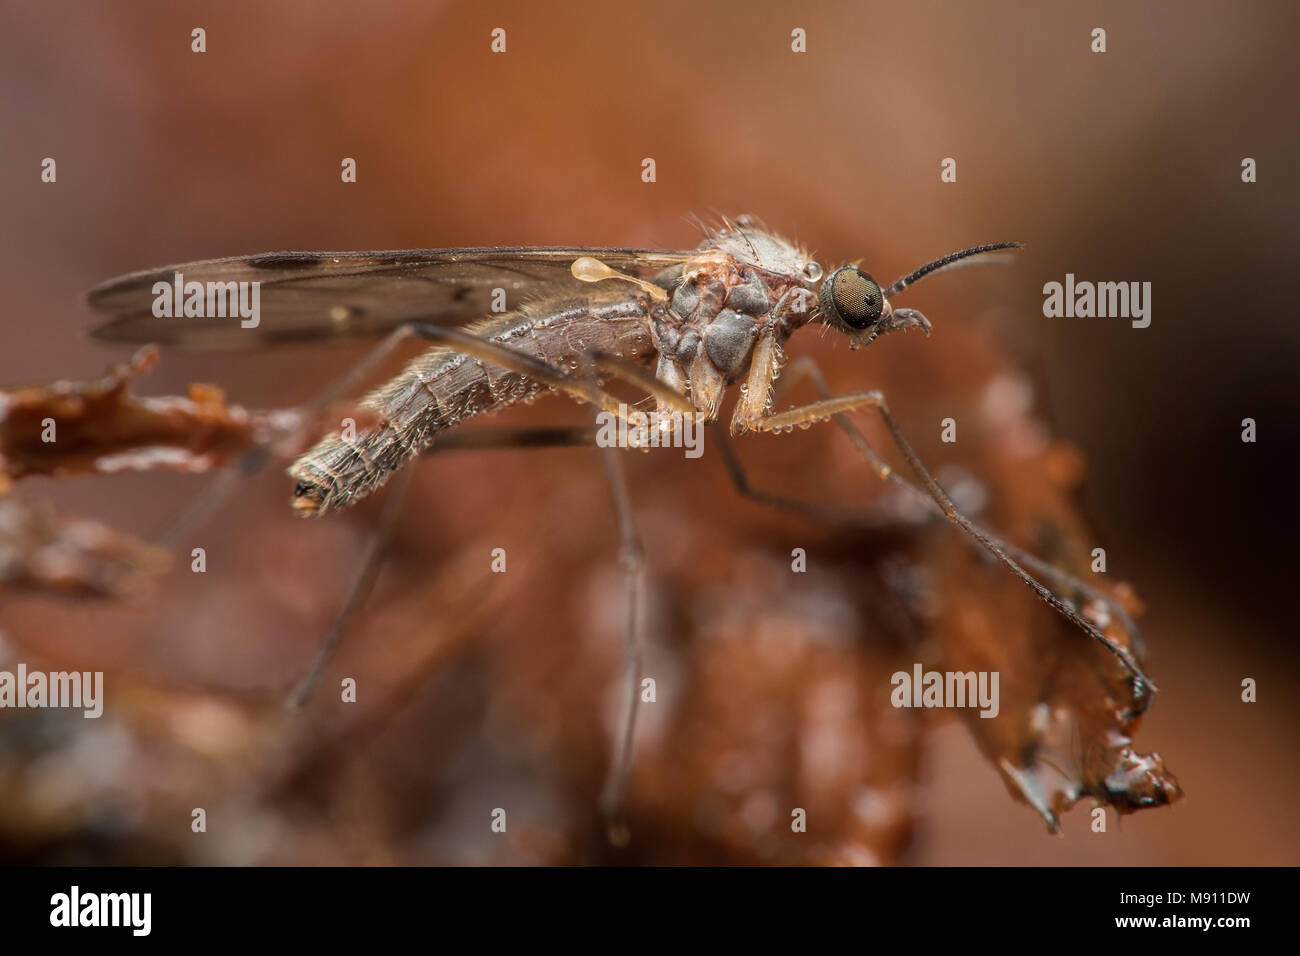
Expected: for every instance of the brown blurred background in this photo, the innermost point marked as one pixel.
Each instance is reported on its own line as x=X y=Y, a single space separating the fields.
x=1120 y=166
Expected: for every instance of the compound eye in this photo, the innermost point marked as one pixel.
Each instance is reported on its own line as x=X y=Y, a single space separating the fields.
x=855 y=297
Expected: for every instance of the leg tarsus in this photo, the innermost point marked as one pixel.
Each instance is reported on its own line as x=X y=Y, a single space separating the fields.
x=632 y=558
x=811 y=510
x=806 y=367
x=836 y=407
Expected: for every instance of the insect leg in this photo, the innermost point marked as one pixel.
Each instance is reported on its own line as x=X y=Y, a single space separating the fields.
x=358 y=591
x=192 y=516
x=631 y=552
x=632 y=557
x=826 y=408
x=806 y=367
x=363 y=582
x=585 y=388
x=482 y=439
x=616 y=367
x=802 y=367
x=358 y=372
x=812 y=510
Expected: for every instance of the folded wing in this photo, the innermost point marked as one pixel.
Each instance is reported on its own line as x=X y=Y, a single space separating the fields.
x=323 y=295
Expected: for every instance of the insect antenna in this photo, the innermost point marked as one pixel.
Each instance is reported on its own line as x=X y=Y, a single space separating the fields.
x=946 y=261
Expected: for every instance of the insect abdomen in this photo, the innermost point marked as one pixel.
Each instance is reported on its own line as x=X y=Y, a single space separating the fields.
x=441 y=388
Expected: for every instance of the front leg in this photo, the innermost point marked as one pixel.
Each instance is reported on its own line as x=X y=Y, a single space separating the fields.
x=756 y=396
x=765 y=365
x=829 y=408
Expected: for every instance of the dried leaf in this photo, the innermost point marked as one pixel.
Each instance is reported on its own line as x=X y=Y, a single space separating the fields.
x=98 y=427
x=1069 y=708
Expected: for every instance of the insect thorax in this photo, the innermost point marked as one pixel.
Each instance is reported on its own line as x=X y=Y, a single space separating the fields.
x=723 y=300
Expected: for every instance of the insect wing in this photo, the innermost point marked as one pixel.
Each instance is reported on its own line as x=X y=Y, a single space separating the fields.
x=318 y=295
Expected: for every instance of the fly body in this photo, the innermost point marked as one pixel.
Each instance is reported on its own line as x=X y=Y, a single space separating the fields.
x=703 y=320
x=682 y=327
